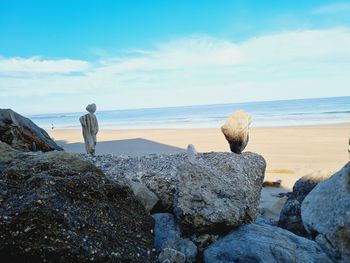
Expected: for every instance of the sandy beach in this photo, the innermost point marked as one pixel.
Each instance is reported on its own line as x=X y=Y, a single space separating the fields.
x=290 y=152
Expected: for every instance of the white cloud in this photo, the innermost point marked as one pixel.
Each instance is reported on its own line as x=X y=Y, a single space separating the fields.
x=332 y=9
x=193 y=70
x=38 y=65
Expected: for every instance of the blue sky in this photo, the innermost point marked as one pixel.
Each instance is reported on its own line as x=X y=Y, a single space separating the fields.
x=63 y=55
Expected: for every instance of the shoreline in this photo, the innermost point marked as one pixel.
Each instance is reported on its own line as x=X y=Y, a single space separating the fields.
x=78 y=127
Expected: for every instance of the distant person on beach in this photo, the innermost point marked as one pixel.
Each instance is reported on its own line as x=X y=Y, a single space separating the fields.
x=52 y=127
x=89 y=125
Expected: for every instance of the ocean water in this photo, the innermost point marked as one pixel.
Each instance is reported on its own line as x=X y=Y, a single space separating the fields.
x=264 y=114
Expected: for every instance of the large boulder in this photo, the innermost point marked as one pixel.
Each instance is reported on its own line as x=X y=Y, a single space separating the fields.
x=21 y=133
x=212 y=193
x=219 y=193
x=264 y=243
x=56 y=207
x=326 y=214
x=290 y=216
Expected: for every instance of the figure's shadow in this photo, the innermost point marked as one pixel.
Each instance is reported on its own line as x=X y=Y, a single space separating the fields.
x=131 y=147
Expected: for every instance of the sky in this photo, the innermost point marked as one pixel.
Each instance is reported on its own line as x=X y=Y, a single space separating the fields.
x=60 y=55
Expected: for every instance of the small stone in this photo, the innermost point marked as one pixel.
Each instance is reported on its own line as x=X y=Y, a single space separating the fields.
x=236 y=130
x=172 y=255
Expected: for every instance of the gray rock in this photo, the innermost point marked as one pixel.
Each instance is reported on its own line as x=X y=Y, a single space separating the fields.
x=264 y=243
x=326 y=214
x=165 y=229
x=203 y=241
x=185 y=246
x=219 y=193
x=290 y=216
x=146 y=197
x=169 y=255
x=22 y=134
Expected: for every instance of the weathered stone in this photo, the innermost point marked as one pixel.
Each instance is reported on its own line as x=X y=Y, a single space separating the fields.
x=231 y=184
x=146 y=197
x=57 y=207
x=165 y=229
x=219 y=193
x=264 y=243
x=191 y=153
x=22 y=134
x=203 y=241
x=290 y=216
x=169 y=255
x=90 y=128
x=185 y=246
x=325 y=213
x=236 y=130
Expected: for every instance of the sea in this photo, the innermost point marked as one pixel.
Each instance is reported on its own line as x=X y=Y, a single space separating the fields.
x=264 y=114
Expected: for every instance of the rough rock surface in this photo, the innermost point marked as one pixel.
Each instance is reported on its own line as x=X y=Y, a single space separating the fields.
x=326 y=214
x=185 y=246
x=290 y=216
x=264 y=243
x=146 y=197
x=22 y=134
x=217 y=192
x=169 y=255
x=57 y=207
x=165 y=229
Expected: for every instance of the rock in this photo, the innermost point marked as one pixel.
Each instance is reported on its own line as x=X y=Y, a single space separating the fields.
x=165 y=229
x=185 y=246
x=90 y=128
x=264 y=243
x=191 y=153
x=231 y=184
x=325 y=213
x=56 y=206
x=203 y=241
x=169 y=255
x=219 y=193
x=236 y=130
x=146 y=197
x=290 y=216
x=22 y=134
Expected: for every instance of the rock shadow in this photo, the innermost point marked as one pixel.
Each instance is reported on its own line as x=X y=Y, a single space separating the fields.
x=131 y=147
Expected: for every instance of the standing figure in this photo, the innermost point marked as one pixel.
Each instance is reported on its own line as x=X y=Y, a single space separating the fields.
x=349 y=147
x=90 y=128
x=236 y=130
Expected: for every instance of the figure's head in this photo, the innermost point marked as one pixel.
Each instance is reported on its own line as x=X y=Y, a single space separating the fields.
x=91 y=108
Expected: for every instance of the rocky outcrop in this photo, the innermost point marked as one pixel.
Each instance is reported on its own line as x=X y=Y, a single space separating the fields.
x=57 y=207
x=290 y=216
x=264 y=243
x=236 y=130
x=217 y=192
x=326 y=215
x=22 y=134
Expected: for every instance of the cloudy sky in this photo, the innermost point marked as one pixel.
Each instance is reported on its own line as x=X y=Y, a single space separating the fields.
x=58 y=56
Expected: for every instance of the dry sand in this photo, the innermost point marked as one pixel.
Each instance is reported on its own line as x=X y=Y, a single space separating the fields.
x=290 y=152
